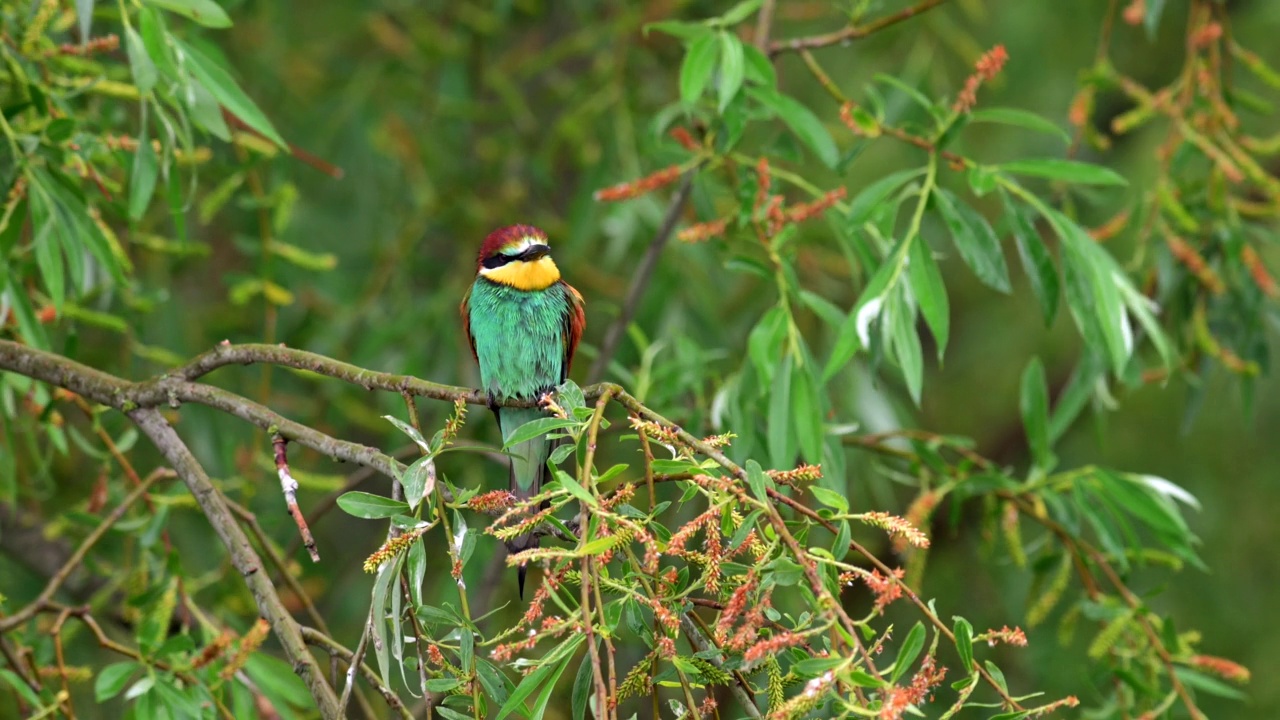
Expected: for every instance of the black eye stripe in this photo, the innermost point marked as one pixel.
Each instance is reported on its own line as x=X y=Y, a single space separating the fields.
x=497 y=260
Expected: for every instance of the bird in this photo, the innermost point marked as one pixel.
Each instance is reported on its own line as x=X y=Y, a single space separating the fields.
x=524 y=323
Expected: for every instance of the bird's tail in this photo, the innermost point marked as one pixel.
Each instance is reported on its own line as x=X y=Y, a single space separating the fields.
x=528 y=472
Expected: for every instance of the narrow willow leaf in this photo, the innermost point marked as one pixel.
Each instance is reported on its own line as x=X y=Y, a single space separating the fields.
x=906 y=347
x=964 y=643
x=140 y=64
x=699 y=62
x=536 y=428
x=976 y=241
x=225 y=89
x=781 y=430
x=1034 y=405
x=142 y=181
x=911 y=648
x=930 y=292
x=1018 y=118
x=205 y=12
x=802 y=121
x=370 y=507
x=830 y=498
x=757 y=481
x=1036 y=261
x=112 y=679
x=871 y=196
x=418 y=481
x=807 y=412
x=1071 y=171
x=732 y=68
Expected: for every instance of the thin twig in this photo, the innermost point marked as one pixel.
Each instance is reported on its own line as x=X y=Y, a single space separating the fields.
x=289 y=487
x=853 y=32
x=51 y=588
x=640 y=280
x=320 y=639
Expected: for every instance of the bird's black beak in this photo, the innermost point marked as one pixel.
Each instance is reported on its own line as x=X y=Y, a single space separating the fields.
x=535 y=252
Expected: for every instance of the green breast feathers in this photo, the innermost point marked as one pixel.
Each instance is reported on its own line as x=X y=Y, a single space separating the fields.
x=521 y=337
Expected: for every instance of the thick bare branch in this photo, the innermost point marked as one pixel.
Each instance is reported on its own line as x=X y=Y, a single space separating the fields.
x=243 y=557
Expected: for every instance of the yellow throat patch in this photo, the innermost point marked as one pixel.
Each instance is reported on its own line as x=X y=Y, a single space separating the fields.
x=537 y=275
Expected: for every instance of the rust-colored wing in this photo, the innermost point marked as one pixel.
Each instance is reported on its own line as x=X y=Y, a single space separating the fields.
x=575 y=322
x=465 y=309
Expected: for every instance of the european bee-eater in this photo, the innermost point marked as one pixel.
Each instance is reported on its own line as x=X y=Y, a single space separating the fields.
x=524 y=324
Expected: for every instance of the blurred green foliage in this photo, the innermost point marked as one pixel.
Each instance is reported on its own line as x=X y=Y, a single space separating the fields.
x=450 y=119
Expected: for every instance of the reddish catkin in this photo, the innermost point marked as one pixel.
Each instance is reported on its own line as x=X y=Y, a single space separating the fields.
x=643 y=186
x=846 y=117
x=1206 y=35
x=107 y=43
x=1222 y=667
x=683 y=137
x=763 y=182
x=985 y=70
x=1261 y=277
x=703 y=231
x=1135 y=12
x=1194 y=262
x=772 y=646
x=885 y=588
x=808 y=211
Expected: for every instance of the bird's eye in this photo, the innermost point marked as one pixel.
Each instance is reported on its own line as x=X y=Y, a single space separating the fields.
x=498 y=260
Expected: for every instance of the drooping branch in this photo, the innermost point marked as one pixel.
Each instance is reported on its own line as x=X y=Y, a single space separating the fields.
x=852 y=32
x=243 y=557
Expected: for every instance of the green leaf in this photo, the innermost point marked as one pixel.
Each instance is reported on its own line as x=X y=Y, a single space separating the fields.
x=581 y=689
x=911 y=648
x=929 y=291
x=1151 y=20
x=534 y=680
x=801 y=120
x=1071 y=171
x=807 y=412
x=536 y=428
x=419 y=481
x=370 y=507
x=112 y=679
x=781 y=431
x=1036 y=261
x=140 y=64
x=1209 y=685
x=732 y=68
x=699 y=63
x=830 y=498
x=997 y=675
x=142 y=181
x=866 y=201
x=1035 y=413
x=757 y=481
x=575 y=489
x=48 y=251
x=906 y=345
x=759 y=69
x=678 y=28
x=964 y=643
x=218 y=82
x=494 y=682
x=739 y=12
x=205 y=12
x=975 y=240
x=1018 y=118
x=813 y=667
x=544 y=697
x=21 y=687
x=1091 y=291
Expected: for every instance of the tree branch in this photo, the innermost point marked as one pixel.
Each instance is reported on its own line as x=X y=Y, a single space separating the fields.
x=640 y=280
x=243 y=557
x=853 y=32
